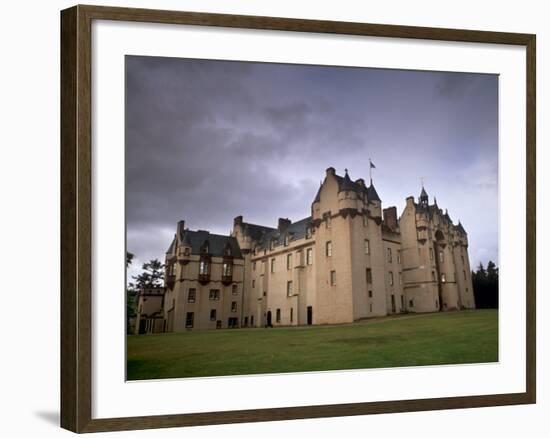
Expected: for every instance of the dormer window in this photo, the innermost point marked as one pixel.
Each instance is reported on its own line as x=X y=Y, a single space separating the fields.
x=205 y=248
x=308 y=232
x=286 y=239
x=227 y=250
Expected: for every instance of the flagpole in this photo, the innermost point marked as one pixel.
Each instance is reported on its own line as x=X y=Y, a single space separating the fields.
x=370 y=170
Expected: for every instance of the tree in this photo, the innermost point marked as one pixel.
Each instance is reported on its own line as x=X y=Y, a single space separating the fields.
x=152 y=275
x=131 y=297
x=485 y=282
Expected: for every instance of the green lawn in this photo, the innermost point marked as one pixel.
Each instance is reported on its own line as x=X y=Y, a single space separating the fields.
x=407 y=340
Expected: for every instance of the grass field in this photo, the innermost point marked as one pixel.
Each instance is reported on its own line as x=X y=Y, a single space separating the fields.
x=407 y=340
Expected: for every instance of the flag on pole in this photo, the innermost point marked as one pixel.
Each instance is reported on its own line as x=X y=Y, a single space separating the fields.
x=372 y=166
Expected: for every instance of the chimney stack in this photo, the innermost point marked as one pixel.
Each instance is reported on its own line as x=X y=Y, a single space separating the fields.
x=181 y=227
x=238 y=221
x=331 y=171
x=283 y=224
x=390 y=217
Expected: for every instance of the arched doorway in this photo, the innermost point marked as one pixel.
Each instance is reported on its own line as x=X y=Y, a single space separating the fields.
x=269 y=324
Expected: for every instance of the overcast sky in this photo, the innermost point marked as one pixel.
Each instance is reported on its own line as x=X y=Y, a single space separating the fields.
x=210 y=140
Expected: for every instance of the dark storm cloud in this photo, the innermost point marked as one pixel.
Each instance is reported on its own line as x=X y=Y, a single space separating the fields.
x=209 y=140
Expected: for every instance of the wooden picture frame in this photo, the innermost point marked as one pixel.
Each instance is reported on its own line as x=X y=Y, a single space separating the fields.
x=76 y=217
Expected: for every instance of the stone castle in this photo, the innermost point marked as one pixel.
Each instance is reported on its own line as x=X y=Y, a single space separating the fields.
x=349 y=260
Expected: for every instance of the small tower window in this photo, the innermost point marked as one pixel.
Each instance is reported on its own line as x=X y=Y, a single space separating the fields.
x=328 y=249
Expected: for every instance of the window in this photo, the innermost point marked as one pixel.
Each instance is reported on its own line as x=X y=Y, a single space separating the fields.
x=235 y=289
x=214 y=294
x=328 y=249
x=291 y=314
x=369 y=276
x=246 y=321
x=443 y=278
x=227 y=269
x=370 y=294
x=300 y=258
x=191 y=295
x=391 y=278
x=328 y=219
x=278 y=315
x=218 y=324
x=204 y=267
x=440 y=256
x=252 y=321
x=272 y=265
x=189 y=317
x=286 y=239
x=212 y=314
x=399 y=256
x=367 y=246
x=464 y=273
x=389 y=255
x=433 y=276
x=431 y=253
x=272 y=244
x=309 y=256
x=308 y=233
x=462 y=257
x=253 y=266
x=289 y=261
x=365 y=220
x=253 y=284
x=400 y=278
x=411 y=303
x=233 y=306
x=174 y=267
x=332 y=278
x=289 y=288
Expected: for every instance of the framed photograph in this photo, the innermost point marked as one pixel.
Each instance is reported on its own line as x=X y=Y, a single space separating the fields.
x=270 y=218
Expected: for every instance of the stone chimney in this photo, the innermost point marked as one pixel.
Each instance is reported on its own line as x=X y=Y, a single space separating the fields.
x=361 y=182
x=331 y=171
x=283 y=224
x=410 y=201
x=180 y=228
x=238 y=221
x=390 y=217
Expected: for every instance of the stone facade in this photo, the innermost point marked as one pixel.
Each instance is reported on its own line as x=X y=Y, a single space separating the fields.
x=150 y=311
x=347 y=261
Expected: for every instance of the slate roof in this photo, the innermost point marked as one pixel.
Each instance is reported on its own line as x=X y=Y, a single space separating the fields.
x=256 y=232
x=371 y=193
x=296 y=230
x=460 y=228
x=216 y=243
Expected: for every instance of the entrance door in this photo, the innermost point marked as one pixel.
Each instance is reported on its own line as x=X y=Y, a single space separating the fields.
x=269 y=318
x=309 y=315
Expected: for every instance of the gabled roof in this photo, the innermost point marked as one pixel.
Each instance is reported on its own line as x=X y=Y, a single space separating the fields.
x=216 y=243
